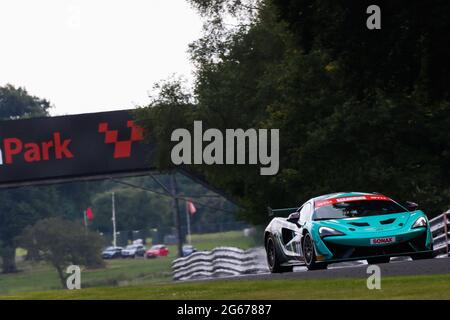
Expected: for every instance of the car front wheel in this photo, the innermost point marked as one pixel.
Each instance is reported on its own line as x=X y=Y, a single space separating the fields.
x=309 y=254
x=378 y=260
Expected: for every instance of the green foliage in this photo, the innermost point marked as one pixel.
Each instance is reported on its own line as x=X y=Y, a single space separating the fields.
x=170 y=109
x=40 y=276
x=397 y=59
x=357 y=109
x=17 y=103
x=63 y=243
x=23 y=206
x=19 y=207
x=135 y=210
x=139 y=209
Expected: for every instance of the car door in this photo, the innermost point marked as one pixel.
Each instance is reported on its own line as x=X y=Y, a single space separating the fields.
x=290 y=235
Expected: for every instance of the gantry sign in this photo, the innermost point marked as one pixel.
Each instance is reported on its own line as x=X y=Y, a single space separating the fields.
x=50 y=149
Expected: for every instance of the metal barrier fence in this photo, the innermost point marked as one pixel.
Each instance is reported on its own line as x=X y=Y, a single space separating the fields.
x=440 y=227
x=220 y=262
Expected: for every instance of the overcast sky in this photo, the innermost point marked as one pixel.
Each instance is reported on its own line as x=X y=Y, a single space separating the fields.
x=94 y=55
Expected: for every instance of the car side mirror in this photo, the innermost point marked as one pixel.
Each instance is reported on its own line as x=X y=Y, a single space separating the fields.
x=294 y=217
x=411 y=206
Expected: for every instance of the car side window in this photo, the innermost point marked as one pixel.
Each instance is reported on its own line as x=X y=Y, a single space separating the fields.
x=305 y=213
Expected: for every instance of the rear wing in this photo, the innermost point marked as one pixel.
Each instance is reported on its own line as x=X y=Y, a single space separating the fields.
x=283 y=212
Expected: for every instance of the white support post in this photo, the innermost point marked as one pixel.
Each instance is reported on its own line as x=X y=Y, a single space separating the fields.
x=114 y=220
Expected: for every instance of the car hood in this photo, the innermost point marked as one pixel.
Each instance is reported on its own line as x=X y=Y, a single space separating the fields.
x=378 y=223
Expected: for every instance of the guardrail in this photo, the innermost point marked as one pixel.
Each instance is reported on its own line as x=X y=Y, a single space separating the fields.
x=220 y=262
x=440 y=227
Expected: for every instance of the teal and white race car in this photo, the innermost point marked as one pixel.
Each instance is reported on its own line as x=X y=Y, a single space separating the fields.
x=347 y=226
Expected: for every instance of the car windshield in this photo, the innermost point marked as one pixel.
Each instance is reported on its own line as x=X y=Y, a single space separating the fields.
x=364 y=208
x=130 y=247
x=156 y=247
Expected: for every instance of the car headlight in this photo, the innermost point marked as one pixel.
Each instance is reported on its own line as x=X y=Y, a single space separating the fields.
x=421 y=222
x=326 y=232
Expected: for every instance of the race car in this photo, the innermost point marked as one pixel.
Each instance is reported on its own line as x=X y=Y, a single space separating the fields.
x=347 y=226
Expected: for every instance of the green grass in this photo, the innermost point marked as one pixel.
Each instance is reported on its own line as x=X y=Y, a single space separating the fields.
x=151 y=279
x=412 y=287
x=42 y=277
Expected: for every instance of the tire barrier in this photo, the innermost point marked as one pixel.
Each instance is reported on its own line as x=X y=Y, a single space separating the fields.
x=440 y=227
x=218 y=263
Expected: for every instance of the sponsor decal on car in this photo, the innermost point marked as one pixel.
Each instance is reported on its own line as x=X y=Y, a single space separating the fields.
x=328 y=202
x=385 y=240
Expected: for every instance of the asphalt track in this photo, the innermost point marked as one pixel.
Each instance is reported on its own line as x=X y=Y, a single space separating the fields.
x=342 y=270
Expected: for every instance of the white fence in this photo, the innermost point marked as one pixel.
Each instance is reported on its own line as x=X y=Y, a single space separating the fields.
x=220 y=262
x=440 y=227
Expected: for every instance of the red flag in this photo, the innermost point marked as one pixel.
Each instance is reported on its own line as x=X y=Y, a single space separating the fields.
x=191 y=208
x=89 y=214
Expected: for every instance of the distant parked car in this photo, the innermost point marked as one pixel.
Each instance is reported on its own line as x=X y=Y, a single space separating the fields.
x=159 y=250
x=188 y=249
x=133 y=251
x=112 y=252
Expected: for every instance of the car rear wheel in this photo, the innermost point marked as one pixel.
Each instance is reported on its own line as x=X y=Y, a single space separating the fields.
x=378 y=260
x=309 y=254
x=273 y=259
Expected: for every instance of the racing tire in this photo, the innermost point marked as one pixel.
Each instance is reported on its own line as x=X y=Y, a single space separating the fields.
x=378 y=260
x=273 y=259
x=422 y=256
x=309 y=254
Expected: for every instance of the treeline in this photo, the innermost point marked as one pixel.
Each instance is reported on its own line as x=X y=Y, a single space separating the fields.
x=357 y=109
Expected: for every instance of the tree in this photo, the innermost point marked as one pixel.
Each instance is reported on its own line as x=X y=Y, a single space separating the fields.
x=17 y=103
x=357 y=109
x=23 y=206
x=135 y=210
x=62 y=243
x=400 y=56
x=19 y=206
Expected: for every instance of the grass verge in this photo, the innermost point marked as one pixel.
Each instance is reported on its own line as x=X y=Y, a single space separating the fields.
x=42 y=277
x=411 y=287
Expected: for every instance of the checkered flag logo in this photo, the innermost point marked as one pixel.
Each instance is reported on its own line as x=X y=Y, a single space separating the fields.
x=122 y=149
